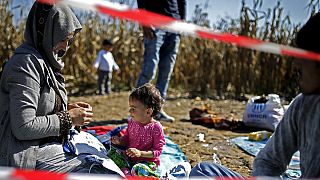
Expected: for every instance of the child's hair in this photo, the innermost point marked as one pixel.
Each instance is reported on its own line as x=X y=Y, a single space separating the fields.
x=107 y=42
x=150 y=96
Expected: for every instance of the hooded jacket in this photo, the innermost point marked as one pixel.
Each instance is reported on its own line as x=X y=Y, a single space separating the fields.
x=28 y=87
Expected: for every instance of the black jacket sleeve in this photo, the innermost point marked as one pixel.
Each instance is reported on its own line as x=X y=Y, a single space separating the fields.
x=182 y=5
x=141 y=4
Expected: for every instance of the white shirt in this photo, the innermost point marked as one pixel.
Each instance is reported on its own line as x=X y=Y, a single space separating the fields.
x=105 y=61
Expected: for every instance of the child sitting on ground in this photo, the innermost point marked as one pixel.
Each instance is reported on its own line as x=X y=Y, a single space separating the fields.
x=144 y=138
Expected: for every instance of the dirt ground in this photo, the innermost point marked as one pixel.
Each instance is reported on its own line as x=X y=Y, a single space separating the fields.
x=112 y=109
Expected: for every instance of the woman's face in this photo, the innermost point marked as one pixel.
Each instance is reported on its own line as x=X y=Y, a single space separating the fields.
x=61 y=48
x=309 y=76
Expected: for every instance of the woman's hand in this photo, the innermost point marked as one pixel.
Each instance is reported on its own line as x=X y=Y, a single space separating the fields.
x=133 y=152
x=78 y=105
x=80 y=115
x=148 y=32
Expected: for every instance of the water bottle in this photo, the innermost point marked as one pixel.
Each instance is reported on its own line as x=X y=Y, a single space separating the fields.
x=216 y=159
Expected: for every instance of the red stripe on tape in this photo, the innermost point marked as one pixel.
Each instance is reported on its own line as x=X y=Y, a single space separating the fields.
x=304 y=54
x=37 y=175
x=140 y=178
x=139 y=15
x=229 y=38
x=147 y=18
x=48 y=1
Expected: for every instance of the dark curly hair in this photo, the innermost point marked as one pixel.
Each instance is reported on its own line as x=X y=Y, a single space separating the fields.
x=150 y=96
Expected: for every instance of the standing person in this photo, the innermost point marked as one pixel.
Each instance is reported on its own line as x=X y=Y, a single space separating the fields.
x=144 y=138
x=160 y=47
x=105 y=64
x=35 y=117
x=299 y=130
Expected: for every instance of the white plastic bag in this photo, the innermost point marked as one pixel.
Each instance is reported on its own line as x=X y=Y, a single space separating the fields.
x=265 y=115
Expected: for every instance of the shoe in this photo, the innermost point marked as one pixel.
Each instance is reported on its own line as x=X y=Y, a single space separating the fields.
x=163 y=116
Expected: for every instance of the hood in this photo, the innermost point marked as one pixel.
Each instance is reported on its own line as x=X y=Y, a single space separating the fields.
x=44 y=35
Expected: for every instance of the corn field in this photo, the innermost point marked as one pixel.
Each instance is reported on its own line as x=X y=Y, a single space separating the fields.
x=203 y=67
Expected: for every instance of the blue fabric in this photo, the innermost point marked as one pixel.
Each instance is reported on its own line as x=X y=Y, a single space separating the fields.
x=160 y=52
x=253 y=148
x=171 y=156
x=105 y=139
x=209 y=169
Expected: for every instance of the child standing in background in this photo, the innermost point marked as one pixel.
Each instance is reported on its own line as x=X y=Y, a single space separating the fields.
x=144 y=138
x=105 y=64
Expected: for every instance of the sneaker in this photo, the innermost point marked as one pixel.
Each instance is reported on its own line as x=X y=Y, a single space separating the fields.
x=163 y=116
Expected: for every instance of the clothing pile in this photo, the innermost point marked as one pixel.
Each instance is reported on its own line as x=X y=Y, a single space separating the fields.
x=207 y=117
x=95 y=144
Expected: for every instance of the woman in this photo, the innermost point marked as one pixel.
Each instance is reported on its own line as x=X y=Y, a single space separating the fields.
x=35 y=117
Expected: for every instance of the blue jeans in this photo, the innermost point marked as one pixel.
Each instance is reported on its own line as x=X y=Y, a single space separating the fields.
x=160 y=52
x=208 y=169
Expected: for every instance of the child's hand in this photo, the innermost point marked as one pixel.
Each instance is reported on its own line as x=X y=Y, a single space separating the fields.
x=115 y=140
x=133 y=152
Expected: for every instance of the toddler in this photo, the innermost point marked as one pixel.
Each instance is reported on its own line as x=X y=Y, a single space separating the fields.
x=144 y=138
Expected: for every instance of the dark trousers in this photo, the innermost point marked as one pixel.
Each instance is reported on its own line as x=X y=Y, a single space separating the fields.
x=208 y=169
x=104 y=81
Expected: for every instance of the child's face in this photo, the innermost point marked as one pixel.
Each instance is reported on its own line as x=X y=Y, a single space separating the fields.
x=138 y=111
x=108 y=47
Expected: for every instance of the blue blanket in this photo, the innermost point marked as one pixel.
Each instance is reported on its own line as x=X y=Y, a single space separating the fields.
x=171 y=156
x=253 y=148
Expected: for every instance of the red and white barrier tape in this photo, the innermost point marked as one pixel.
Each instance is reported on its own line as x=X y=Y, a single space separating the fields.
x=147 y=18
x=11 y=173
x=7 y=173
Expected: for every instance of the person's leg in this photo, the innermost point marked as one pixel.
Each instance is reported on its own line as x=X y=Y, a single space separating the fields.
x=208 y=169
x=101 y=77
x=168 y=55
x=151 y=58
x=51 y=157
x=107 y=85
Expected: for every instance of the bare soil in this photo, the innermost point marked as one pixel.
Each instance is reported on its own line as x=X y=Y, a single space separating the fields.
x=112 y=109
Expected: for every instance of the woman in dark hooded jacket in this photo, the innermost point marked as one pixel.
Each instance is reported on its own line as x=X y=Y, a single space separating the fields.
x=35 y=117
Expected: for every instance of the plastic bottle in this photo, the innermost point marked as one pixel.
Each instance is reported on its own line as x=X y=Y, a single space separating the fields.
x=216 y=158
x=259 y=135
